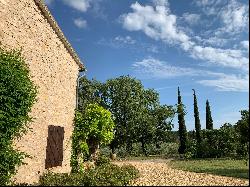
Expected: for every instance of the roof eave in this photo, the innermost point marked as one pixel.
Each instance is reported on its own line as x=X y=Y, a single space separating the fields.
x=46 y=13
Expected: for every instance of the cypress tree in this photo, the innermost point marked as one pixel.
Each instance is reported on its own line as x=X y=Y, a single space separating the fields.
x=197 y=122
x=182 y=126
x=209 y=120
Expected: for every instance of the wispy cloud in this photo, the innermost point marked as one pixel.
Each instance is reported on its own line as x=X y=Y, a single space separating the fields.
x=191 y=19
x=125 y=40
x=128 y=42
x=232 y=14
x=235 y=17
x=80 y=23
x=80 y=5
x=152 y=68
x=229 y=83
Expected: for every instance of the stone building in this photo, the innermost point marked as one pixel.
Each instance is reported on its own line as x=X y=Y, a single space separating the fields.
x=54 y=66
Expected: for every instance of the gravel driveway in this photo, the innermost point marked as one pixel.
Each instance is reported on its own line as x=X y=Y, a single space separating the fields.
x=157 y=172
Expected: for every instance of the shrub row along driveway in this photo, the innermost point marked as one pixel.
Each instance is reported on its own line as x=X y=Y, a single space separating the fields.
x=157 y=172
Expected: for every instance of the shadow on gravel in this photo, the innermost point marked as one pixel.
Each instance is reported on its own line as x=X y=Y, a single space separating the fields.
x=238 y=173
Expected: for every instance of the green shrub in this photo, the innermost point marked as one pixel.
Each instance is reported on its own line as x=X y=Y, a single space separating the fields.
x=101 y=160
x=104 y=175
x=166 y=149
x=17 y=95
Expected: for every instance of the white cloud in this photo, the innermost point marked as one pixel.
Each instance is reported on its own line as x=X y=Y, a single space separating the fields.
x=245 y=44
x=80 y=23
x=191 y=19
x=229 y=83
x=158 y=23
x=225 y=57
x=153 y=68
x=80 y=5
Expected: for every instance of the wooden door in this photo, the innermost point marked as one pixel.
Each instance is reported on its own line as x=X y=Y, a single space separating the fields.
x=54 y=149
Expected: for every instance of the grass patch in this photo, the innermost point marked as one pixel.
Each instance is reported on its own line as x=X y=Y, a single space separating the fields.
x=223 y=167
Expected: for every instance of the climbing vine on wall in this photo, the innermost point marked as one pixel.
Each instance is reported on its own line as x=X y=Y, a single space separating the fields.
x=17 y=95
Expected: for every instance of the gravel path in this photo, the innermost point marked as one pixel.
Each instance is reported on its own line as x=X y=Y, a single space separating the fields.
x=157 y=173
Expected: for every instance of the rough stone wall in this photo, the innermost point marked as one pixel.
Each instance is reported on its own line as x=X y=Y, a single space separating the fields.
x=55 y=73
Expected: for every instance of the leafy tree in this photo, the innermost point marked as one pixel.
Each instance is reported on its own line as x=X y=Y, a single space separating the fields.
x=182 y=126
x=137 y=112
x=123 y=97
x=216 y=143
x=197 y=125
x=209 y=120
x=17 y=95
x=88 y=92
x=92 y=127
x=163 y=115
x=242 y=127
x=145 y=120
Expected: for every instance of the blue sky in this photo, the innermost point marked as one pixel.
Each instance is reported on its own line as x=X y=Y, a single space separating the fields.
x=199 y=44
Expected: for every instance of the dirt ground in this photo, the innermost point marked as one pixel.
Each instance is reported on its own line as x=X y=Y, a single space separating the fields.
x=157 y=172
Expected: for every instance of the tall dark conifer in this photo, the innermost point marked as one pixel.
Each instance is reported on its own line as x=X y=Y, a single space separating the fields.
x=209 y=120
x=182 y=126
x=197 y=122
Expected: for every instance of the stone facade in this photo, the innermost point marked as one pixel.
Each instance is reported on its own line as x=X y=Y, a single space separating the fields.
x=54 y=70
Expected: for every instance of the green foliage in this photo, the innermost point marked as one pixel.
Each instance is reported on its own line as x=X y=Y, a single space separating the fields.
x=102 y=160
x=137 y=112
x=17 y=95
x=242 y=128
x=197 y=125
x=95 y=124
x=209 y=120
x=163 y=116
x=88 y=92
x=166 y=150
x=138 y=115
x=217 y=143
x=104 y=175
x=191 y=151
x=123 y=96
x=182 y=127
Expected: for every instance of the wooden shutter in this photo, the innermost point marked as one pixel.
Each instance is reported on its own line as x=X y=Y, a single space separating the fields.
x=54 y=149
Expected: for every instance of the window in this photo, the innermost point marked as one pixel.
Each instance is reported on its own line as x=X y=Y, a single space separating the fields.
x=54 y=149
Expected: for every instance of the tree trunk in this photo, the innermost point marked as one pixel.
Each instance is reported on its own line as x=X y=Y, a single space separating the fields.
x=129 y=147
x=93 y=149
x=143 y=147
x=157 y=145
